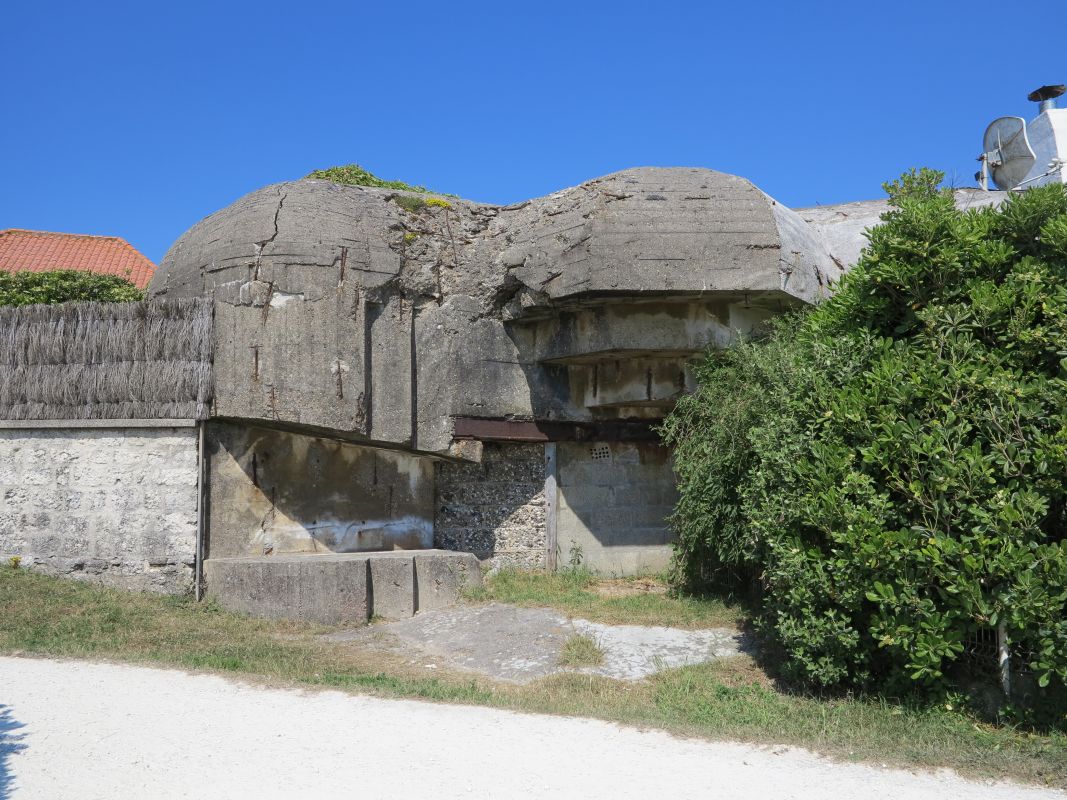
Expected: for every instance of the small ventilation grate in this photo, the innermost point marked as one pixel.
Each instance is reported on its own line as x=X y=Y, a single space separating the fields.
x=600 y=453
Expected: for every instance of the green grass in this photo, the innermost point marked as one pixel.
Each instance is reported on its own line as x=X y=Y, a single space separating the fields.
x=578 y=593
x=729 y=699
x=48 y=616
x=581 y=650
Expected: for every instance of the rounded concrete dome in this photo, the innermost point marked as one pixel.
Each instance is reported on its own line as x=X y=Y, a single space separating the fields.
x=387 y=315
x=651 y=229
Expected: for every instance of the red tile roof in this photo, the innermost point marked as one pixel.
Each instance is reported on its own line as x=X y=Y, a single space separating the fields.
x=43 y=251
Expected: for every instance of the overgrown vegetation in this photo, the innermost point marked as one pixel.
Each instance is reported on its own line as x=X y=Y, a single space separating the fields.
x=629 y=601
x=890 y=468
x=355 y=175
x=730 y=698
x=64 y=286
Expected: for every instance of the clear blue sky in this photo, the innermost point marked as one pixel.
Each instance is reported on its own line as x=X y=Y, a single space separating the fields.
x=139 y=119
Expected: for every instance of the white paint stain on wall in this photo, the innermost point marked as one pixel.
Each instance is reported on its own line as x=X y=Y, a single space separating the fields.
x=283 y=534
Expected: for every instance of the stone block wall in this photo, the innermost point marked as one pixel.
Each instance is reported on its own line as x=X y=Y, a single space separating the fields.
x=117 y=506
x=496 y=508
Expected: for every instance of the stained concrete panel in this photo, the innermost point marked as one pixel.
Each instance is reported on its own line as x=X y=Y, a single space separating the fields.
x=440 y=580
x=614 y=501
x=279 y=492
x=392 y=581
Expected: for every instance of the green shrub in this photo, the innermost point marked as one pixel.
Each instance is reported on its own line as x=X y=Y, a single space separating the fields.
x=891 y=467
x=63 y=286
x=355 y=175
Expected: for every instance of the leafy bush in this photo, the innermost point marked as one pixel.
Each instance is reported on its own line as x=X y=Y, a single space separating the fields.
x=62 y=286
x=355 y=175
x=891 y=467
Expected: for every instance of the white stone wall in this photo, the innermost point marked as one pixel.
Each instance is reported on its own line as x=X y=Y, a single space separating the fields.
x=112 y=505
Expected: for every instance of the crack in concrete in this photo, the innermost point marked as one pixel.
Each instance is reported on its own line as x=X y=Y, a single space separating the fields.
x=260 y=245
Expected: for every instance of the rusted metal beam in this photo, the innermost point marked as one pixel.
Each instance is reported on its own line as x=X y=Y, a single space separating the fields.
x=502 y=430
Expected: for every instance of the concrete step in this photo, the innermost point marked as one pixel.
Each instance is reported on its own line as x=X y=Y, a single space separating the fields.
x=341 y=588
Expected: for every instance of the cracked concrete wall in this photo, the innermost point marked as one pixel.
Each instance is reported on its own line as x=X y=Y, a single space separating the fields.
x=112 y=506
x=495 y=508
x=274 y=492
x=379 y=315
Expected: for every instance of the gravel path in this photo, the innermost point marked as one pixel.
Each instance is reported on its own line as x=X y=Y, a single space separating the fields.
x=83 y=730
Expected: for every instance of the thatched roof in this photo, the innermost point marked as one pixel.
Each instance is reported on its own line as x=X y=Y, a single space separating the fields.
x=149 y=360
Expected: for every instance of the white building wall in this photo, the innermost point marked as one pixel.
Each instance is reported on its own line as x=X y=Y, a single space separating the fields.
x=114 y=505
x=1048 y=138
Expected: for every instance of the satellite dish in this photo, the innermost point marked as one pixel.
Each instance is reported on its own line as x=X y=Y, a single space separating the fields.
x=1008 y=152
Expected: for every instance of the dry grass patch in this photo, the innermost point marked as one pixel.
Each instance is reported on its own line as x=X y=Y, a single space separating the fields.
x=581 y=650
x=619 y=601
x=630 y=587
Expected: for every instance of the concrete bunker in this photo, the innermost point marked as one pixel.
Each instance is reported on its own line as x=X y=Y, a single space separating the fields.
x=392 y=373
x=356 y=376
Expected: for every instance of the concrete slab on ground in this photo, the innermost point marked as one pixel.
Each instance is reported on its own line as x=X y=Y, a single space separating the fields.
x=523 y=644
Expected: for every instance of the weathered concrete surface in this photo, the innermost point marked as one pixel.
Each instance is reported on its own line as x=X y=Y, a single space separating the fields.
x=632 y=652
x=373 y=313
x=278 y=492
x=440 y=576
x=523 y=644
x=328 y=589
x=110 y=505
x=381 y=317
x=341 y=588
x=842 y=227
x=393 y=594
x=614 y=500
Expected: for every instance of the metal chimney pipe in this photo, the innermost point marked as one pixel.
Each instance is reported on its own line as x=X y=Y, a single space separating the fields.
x=1046 y=96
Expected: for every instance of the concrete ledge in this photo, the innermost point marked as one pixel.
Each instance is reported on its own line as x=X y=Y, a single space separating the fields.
x=324 y=590
x=440 y=576
x=392 y=587
x=341 y=588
